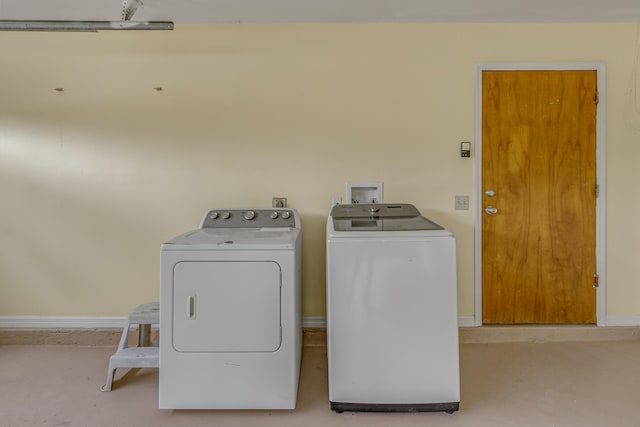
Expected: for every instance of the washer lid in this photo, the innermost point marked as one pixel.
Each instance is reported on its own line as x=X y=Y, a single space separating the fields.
x=377 y=210
x=380 y=217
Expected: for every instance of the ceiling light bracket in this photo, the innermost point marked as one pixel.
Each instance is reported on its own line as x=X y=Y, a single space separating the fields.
x=129 y=8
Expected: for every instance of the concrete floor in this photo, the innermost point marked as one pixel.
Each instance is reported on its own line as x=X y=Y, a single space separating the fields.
x=503 y=384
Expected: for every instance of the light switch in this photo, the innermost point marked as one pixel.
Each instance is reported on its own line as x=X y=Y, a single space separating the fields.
x=465 y=149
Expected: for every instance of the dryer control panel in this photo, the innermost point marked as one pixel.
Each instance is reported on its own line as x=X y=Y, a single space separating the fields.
x=249 y=218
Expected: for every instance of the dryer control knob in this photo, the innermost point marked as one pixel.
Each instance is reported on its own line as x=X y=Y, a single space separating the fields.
x=214 y=215
x=286 y=214
x=225 y=215
x=274 y=215
x=249 y=215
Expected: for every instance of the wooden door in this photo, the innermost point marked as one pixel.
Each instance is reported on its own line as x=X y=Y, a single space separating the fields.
x=539 y=159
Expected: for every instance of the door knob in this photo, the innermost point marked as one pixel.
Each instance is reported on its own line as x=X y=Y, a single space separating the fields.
x=490 y=193
x=491 y=210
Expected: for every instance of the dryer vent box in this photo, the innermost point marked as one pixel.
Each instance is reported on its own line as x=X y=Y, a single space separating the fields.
x=364 y=192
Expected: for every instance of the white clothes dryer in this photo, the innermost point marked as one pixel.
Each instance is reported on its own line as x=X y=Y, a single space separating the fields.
x=230 y=317
x=392 y=324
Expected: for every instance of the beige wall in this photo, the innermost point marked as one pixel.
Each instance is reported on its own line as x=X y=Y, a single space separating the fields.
x=93 y=179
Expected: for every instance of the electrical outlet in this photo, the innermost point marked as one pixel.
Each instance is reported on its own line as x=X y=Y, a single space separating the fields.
x=278 y=202
x=462 y=203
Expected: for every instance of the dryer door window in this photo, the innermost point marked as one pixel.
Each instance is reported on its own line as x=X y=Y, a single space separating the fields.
x=224 y=306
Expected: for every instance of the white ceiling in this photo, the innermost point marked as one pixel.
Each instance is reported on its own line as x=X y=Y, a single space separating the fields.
x=224 y=11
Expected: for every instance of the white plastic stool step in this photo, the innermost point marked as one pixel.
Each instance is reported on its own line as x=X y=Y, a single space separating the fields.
x=143 y=356
x=145 y=314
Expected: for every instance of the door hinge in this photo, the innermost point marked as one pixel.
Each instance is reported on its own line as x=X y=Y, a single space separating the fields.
x=596 y=98
x=596 y=191
x=596 y=280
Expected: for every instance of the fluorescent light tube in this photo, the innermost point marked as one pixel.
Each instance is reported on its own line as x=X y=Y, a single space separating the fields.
x=20 y=25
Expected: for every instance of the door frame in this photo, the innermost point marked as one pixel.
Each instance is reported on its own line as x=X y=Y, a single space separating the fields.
x=599 y=67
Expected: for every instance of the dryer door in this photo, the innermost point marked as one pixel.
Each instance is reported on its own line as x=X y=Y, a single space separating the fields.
x=226 y=306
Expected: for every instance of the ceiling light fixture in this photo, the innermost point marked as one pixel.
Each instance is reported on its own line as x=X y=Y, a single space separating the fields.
x=91 y=26
x=129 y=8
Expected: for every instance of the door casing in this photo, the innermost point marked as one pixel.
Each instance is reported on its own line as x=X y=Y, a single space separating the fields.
x=599 y=67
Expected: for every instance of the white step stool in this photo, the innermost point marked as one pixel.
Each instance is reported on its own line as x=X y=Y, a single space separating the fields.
x=145 y=355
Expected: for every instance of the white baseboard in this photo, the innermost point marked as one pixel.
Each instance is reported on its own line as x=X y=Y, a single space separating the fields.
x=59 y=322
x=71 y=322
x=469 y=321
x=466 y=321
x=314 y=322
x=613 y=320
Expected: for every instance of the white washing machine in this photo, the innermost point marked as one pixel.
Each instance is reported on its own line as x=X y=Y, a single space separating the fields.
x=392 y=323
x=230 y=318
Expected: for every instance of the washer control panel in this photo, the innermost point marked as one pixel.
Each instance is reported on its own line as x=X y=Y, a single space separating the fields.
x=248 y=218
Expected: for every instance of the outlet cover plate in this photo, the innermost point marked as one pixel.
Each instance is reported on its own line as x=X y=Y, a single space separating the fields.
x=462 y=203
x=278 y=202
